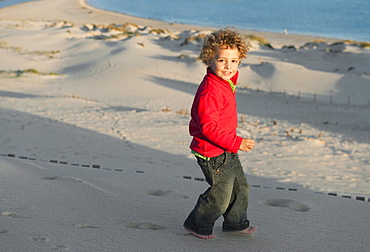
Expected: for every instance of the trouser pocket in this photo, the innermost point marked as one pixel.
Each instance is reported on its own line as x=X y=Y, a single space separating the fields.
x=217 y=163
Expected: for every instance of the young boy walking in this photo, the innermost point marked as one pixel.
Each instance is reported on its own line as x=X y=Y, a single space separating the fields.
x=215 y=143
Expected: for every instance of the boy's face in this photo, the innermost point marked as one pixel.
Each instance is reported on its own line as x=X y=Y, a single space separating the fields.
x=225 y=63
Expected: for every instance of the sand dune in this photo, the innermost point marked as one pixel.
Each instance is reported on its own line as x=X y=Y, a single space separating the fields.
x=94 y=135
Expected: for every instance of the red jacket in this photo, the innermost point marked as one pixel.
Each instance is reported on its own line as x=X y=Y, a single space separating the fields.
x=214 y=117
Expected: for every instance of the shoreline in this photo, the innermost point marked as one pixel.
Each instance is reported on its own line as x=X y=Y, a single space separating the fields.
x=272 y=37
x=268 y=34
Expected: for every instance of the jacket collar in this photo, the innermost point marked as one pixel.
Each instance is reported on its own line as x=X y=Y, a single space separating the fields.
x=234 y=79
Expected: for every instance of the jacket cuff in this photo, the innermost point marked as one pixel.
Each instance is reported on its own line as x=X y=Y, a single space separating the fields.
x=238 y=142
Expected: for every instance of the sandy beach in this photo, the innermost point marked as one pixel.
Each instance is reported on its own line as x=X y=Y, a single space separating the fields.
x=94 y=156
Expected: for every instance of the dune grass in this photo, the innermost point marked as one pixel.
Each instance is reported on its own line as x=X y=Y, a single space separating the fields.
x=259 y=39
x=20 y=73
x=350 y=42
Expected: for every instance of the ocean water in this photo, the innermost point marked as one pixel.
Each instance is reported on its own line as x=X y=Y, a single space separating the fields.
x=6 y=3
x=341 y=19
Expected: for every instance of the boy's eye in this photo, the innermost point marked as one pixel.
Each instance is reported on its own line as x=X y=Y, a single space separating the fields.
x=233 y=61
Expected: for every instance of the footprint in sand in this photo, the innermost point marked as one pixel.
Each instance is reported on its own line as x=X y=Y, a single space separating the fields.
x=62 y=178
x=56 y=247
x=167 y=193
x=144 y=225
x=41 y=239
x=60 y=248
x=11 y=215
x=83 y=225
x=291 y=204
x=2 y=231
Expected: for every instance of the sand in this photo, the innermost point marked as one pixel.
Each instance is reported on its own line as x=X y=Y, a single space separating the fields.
x=94 y=144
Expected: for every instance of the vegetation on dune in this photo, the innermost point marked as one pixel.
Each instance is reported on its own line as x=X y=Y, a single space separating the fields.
x=197 y=37
x=16 y=49
x=259 y=39
x=350 y=42
x=365 y=44
x=19 y=73
x=126 y=30
x=362 y=44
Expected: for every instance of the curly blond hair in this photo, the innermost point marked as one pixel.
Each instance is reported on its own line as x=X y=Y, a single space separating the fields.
x=228 y=38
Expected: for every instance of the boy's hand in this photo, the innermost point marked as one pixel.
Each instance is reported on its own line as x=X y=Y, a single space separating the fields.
x=247 y=144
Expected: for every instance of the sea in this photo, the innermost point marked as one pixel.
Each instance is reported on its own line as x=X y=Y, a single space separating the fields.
x=340 y=19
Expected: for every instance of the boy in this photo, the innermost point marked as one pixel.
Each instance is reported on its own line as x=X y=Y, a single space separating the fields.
x=215 y=143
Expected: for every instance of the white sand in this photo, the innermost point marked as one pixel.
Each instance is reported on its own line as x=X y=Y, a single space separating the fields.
x=121 y=104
